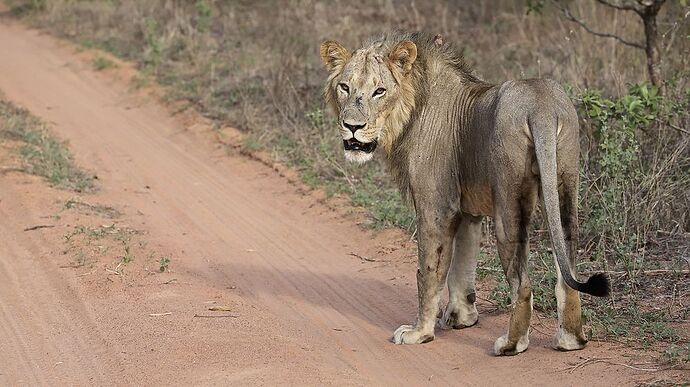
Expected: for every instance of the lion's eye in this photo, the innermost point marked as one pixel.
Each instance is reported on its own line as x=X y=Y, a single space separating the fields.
x=379 y=91
x=344 y=87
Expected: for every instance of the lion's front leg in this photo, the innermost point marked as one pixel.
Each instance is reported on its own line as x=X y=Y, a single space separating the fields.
x=435 y=249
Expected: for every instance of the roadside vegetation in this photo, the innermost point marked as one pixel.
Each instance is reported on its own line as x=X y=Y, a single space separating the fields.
x=87 y=243
x=255 y=66
x=42 y=154
x=101 y=63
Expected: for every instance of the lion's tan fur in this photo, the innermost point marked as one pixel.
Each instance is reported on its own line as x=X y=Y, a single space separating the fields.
x=462 y=149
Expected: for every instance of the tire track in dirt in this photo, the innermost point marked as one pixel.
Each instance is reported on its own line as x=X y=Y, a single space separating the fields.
x=44 y=323
x=311 y=313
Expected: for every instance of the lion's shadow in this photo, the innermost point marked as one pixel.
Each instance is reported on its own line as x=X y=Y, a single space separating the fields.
x=382 y=305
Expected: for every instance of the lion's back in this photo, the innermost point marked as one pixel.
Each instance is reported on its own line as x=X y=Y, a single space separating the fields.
x=519 y=100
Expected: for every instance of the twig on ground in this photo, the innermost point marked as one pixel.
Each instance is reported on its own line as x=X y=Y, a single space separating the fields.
x=633 y=367
x=644 y=272
x=112 y=271
x=40 y=226
x=159 y=314
x=219 y=316
x=533 y=326
x=538 y=330
x=363 y=258
x=485 y=300
x=581 y=364
x=220 y=309
x=591 y=360
x=5 y=170
x=414 y=234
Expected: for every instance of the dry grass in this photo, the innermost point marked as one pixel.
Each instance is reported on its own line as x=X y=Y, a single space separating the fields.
x=255 y=65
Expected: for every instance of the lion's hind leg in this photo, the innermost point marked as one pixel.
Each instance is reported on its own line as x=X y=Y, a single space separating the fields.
x=569 y=335
x=512 y=221
x=461 y=311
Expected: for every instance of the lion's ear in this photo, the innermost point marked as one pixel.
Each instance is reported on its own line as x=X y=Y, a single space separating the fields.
x=403 y=55
x=333 y=54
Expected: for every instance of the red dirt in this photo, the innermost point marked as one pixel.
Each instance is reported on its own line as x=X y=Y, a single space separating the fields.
x=305 y=309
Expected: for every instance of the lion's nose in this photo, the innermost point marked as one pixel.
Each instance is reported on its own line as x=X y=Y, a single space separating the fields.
x=354 y=126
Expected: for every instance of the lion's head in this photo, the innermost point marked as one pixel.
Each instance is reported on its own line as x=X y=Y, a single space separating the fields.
x=371 y=92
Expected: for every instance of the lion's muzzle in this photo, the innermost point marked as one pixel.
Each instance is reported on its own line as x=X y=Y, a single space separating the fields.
x=355 y=145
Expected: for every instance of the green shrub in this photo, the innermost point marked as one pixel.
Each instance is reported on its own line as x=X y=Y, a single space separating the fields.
x=626 y=174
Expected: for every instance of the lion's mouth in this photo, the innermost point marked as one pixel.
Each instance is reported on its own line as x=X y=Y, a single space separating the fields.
x=356 y=145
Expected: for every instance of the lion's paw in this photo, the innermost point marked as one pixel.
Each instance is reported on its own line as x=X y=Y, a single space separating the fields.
x=503 y=347
x=409 y=334
x=566 y=341
x=458 y=317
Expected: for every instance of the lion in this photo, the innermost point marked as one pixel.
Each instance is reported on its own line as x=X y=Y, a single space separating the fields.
x=461 y=149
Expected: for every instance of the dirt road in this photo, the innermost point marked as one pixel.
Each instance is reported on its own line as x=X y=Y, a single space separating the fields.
x=303 y=308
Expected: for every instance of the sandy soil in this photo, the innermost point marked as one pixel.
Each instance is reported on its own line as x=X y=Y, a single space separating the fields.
x=303 y=307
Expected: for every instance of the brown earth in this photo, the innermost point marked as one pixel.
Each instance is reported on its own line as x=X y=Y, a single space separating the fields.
x=311 y=298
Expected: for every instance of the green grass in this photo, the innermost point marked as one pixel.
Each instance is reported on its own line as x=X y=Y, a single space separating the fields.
x=128 y=255
x=42 y=153
x=251 y=144
x=677 y=353
x=163 y=264
x=139 y=82
x=101 y=210
x=385 y=206
x=542 y=274
x=625 y=318
x=87 y=243
x=630 y=324
x=90 y=233
x=101 y=63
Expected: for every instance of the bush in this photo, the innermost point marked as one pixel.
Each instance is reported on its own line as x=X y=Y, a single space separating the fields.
x=635 y=169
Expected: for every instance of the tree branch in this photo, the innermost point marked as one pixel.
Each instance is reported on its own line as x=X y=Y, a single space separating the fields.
x=618 y=6
x=649 y=6
x=678 y=128
x=568 y=15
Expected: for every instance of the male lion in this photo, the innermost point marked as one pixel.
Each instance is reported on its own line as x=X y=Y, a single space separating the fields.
x=462 y=149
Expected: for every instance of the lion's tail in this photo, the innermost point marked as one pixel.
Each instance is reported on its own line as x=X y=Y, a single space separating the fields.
x=545 y=137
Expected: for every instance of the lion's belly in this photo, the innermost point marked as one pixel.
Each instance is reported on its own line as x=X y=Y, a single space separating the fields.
x=477 y=201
